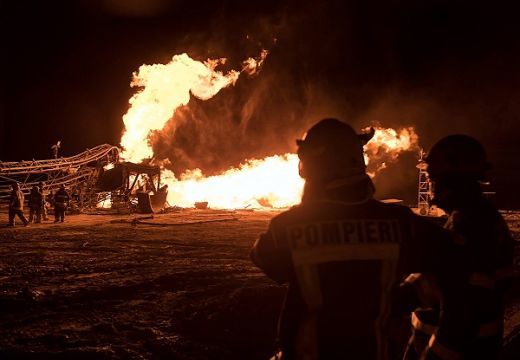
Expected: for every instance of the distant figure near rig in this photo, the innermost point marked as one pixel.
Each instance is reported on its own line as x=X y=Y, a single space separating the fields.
x=456 y=166
x=41 y=186
x=61 y=201
x=35 y=205
x=344 y=255
x=16 y=202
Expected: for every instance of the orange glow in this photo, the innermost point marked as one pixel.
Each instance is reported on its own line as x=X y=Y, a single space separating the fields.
x=164 y=88
x=253 y=66
x=270 y=182
x=273 y=181
x=386 y=145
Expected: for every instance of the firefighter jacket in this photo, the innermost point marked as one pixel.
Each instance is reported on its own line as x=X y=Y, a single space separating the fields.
x=16 y=200
x=343 y=258
x=61 y=198
x=475 y=309
x=35 y=199
x=488 y=251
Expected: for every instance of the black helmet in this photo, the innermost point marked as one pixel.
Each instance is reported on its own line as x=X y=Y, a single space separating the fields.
x=331 y=149
x=458 y=156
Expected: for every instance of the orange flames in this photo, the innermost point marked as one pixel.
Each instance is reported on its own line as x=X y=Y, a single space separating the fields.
x=166 y=87
x=386 y=145
x=269 y=182
x=274 y=181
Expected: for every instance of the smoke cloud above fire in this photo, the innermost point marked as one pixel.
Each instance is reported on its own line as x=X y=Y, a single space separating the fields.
x=440 y=66
x=325 y=62
x=166 y=87
x=271 y=181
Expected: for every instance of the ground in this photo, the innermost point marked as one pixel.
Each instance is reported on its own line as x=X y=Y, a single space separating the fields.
x=178 y=286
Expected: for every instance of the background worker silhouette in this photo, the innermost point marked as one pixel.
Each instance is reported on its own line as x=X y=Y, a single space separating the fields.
x=457 y=164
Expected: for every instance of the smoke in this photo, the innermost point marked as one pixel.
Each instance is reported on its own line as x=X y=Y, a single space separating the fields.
x=343 y=60
x=441 y=66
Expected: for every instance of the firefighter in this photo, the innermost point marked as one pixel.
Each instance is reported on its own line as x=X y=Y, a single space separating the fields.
x=35 y=205
x=457 y=164
x=61 y=201
x=16 y=202
x=344 y=254
x=41 y=185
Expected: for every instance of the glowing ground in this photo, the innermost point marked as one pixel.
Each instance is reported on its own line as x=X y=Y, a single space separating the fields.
x=178 y=286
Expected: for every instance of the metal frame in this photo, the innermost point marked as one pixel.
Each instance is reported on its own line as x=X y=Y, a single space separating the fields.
x=78 y=173
x=424 y=193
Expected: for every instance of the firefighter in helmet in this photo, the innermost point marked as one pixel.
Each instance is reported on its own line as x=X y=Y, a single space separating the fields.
x=343 y=254
x=457 y=164
x=61 y=201
x=35 y=205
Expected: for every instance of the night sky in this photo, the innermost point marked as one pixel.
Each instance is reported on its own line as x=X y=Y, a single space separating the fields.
x=441 y=66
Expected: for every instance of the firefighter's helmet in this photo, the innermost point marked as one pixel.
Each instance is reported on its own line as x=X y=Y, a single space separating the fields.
x=460 y=156
x=331 y=149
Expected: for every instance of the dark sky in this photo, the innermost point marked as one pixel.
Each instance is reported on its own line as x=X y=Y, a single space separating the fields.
x=441 y=66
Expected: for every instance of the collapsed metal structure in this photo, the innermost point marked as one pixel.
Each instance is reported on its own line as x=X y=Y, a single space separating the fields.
x=78 y=173
x=94 y=177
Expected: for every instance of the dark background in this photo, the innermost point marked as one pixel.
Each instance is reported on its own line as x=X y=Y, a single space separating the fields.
x=441 y=66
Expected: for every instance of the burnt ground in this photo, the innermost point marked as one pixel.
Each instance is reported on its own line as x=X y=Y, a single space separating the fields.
x=178 y=286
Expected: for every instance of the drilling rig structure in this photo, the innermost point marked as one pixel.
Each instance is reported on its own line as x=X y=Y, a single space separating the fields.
x=79 y=173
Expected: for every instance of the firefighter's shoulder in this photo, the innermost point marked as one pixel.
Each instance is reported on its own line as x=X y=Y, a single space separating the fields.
x=401 y=212
x=288 y=216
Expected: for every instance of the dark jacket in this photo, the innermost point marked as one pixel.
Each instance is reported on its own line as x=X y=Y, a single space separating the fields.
x=35 y=199
x=61 y=198
x=488 y=251
x=344 y=256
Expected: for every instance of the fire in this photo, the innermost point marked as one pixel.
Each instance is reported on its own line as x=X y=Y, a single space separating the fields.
x=270 y=182
x=386 y=145
x=253 y=66
x=166 y=87
x=274 y=181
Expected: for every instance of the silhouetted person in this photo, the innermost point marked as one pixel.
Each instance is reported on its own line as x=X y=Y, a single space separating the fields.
x=35 y=205
x=75 y=195
x=456 y=166
x=16 y=203
x=55 y=148
x=344 y=254
x=41 y=186
x=61 y=201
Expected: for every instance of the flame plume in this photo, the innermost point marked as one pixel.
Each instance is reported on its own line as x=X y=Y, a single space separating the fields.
x=274 y=181
x=164 y=88
x=270 y=182
x=386 y=145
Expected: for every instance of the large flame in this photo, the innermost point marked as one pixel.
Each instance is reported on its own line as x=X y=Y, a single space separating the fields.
x=166 y=87
x=269 y=182
x=386 y=145
x=274 y=181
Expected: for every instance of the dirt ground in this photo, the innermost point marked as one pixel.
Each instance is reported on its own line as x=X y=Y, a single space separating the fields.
x=178 y=286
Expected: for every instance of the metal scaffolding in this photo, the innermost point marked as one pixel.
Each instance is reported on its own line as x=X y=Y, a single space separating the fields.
x=424 y=193
x=78 y=173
